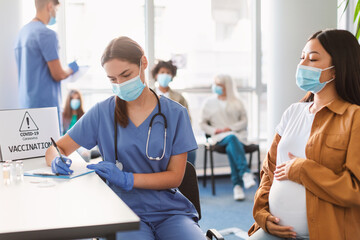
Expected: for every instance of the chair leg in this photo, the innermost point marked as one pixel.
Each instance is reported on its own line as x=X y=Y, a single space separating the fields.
x=205 y=163
x=250 y=160
x=212 y=172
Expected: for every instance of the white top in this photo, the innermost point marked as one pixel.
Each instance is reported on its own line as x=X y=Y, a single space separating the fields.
x=160 y=93
x=216 y=113
x=77 y=208
x=287 y=198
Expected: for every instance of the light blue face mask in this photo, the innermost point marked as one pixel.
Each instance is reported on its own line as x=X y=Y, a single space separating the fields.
x=308 y=78
x=75 y=104
x=164 y=79
x=217 y=89
x=52 y=20
x=129 y=90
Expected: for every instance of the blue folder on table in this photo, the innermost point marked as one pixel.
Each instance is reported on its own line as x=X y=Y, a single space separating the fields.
x=47 y=173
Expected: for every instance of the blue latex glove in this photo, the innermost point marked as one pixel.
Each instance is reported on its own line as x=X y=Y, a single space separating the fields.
x=73 y=65
x=57 y=166
x=113 y=174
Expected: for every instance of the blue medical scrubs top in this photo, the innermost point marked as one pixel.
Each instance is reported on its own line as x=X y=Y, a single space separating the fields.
x=96 y=127
x=35 y=46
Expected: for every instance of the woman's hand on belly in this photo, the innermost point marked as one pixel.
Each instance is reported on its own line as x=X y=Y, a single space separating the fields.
x=277 y=230
x=282 y=171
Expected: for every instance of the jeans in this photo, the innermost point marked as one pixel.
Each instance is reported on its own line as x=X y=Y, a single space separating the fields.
x=236 y=154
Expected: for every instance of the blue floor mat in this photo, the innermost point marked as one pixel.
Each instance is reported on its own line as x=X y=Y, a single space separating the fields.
x=222 y=211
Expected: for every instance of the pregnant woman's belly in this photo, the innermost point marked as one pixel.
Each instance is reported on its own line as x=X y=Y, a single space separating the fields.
x=288 y=203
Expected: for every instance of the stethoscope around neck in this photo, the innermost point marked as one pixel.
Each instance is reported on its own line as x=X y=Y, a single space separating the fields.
x=159 y=113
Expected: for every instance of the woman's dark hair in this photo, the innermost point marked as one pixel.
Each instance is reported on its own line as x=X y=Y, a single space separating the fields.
x=344 y=50
x=125 y=49
x=162 y=64
x=67 y=109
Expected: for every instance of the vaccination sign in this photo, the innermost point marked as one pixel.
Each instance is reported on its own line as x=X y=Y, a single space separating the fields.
x=25 y=133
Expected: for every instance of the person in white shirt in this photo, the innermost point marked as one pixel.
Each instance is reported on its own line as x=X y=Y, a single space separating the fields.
x=223 y=117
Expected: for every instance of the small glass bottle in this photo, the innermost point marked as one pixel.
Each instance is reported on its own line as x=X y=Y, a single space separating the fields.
x=19 y=171
x=12 y=170
x=6 y=173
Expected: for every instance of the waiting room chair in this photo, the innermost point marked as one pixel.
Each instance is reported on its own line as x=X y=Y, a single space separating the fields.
x=249 y=149
x=190 y=189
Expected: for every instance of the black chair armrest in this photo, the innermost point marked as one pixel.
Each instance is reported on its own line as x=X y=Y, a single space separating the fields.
x=213 y=233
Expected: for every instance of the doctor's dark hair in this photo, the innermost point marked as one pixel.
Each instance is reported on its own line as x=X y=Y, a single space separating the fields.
x=124 y=49
x=162 y=64
x=344 y=50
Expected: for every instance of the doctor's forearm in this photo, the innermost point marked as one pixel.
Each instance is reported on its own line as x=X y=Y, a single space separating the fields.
x=50 y=154
x=57 y=72
x=62 y=75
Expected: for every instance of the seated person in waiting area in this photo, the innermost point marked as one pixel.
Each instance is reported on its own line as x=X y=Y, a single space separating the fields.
x=223 y=116
x=310 y=178
x=164 y=73
x=144 y=168
x=73 y=111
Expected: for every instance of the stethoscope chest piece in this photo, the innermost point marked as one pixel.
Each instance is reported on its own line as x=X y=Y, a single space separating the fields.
x=119 y=165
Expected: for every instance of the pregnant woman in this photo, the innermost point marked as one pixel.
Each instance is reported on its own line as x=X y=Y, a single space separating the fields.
x=310 y=179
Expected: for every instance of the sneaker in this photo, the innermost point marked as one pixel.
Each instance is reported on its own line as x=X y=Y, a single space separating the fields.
x=238 y=193
x=248 y=179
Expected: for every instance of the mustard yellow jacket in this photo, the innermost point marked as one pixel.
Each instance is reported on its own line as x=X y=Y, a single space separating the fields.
x=330 y=173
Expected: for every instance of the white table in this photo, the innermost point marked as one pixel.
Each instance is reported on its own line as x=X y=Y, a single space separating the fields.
x=76 y=208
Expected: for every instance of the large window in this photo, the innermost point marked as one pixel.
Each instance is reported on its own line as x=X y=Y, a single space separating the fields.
x=89 y=26
x=204 y=38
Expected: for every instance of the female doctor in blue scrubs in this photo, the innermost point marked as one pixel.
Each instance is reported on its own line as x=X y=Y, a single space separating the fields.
x=153 y=136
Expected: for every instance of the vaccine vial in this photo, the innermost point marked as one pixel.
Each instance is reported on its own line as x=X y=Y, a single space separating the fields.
x=19 y=167
x=12 y=170
x=6 y=173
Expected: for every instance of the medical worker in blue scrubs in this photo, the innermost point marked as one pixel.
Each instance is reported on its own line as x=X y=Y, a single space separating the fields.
x=154 y=135
x=37 y=58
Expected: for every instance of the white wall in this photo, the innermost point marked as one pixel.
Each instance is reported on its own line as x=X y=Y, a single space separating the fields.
x=289 y=24
x=10 y=23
